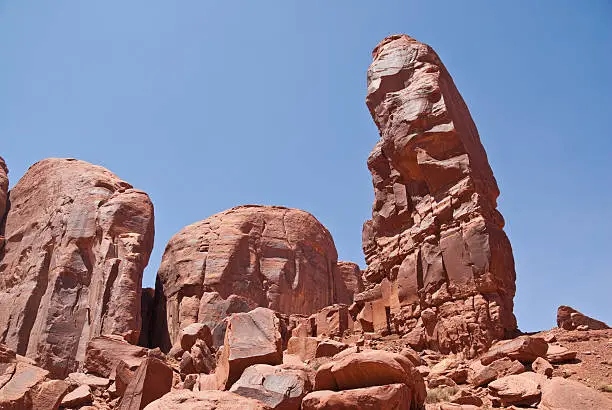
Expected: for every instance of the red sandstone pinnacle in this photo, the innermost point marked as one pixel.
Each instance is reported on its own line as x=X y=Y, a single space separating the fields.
x=435 y=240
x=77 y=241
x=268 y=256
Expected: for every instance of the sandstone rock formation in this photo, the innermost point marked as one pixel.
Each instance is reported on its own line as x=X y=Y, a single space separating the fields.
x=77 y=241
x=441 y=264
x=569 y=319
x=4 y=184
x=268 y=256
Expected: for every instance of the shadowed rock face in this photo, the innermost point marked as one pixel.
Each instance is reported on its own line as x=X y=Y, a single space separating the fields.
x=274 y=257
x=77 y=241
x=435 y=239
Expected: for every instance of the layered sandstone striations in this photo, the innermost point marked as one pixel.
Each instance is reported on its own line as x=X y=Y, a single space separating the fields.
x=77 y=241
x=440 y=266
x=248 y=256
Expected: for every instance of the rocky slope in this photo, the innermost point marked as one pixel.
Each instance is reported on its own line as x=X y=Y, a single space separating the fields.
x=441 y=264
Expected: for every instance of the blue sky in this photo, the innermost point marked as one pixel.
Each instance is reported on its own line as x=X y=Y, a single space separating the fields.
x=210 y=104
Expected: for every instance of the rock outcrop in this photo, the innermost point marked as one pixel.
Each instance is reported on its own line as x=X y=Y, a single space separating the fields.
x=77 y=241
x=4 y=184
x=440 y=266
x=570 y=319
x=267 y=256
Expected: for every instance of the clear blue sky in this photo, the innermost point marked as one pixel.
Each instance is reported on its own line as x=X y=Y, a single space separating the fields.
x=210 y=104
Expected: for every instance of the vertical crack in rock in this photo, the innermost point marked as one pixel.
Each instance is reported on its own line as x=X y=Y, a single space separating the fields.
x=435 y=237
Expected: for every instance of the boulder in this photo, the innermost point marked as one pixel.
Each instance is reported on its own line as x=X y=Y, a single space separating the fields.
x=560 y=354
x=88 y=379
x=565 y=394
x=542 y=366
x=19 y=388
x=77 y=241
x=104 y=353
x=570 y=319
x=303 y=347
x=274 y=257
x=523 y=348
x=481 y=375
x=329 y=348
x=280 y=387
x=205 y=400
x=152 y=380
x=514 y=390
x=371 y=368
x=436 y=239
x=251 y=338
x=410 y=354
x=393 y=396
x=191 y=333
x=49 y=395
x=78 y=397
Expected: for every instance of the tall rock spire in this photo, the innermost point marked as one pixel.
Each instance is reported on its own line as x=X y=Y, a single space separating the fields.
x=440 y=266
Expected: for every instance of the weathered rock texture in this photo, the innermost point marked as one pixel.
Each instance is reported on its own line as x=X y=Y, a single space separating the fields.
x=435 y=239
x=4 y=182
x=569 y=319
x=77 y=241
x=269 y=256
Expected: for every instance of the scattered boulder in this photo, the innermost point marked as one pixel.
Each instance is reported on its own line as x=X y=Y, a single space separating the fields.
x=560 y=354
x=436 y=239
x=329 y=348
x=542 y=366
x=104 y=353
x=251 y=338
x=514 y=390
x=49 y=395
x=280 y=387
x=523 y=348
x=152 y=380
x=481 y=375
x=570 y=319
x=205 y=400
x=275 y=257
x=191 y=333
x=19 y=387
x=396 y=396
x=88 y=379
x=77 y=241
x=78 y=397
x=303 y=347
x=371 y=368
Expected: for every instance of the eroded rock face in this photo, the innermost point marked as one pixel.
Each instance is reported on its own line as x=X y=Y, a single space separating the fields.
x=77 y=241
x=268 y=256
x=4 y=183
x=570 y=319
x=435 y=241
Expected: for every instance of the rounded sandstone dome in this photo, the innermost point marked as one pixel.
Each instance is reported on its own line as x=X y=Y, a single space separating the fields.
x=275 y=257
